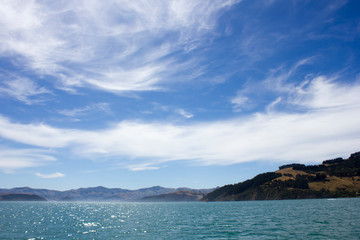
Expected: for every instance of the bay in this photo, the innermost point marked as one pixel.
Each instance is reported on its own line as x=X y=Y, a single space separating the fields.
x=285 y=219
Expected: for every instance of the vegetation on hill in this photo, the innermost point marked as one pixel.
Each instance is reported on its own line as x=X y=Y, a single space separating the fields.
x=178 y=196
x=332 y=179
x=20 y=197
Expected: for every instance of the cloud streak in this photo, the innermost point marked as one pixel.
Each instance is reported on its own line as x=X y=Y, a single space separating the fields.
x=15 y=158
x=328 y=128
x=24 y=90
x=51 y=175
x=184 y=113
x=102 y=107
x=113 y=46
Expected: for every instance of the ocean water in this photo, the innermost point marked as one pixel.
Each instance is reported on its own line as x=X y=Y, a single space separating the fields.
x=286 y=219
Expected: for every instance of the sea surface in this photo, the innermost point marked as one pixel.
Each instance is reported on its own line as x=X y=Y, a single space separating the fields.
x=285 y=219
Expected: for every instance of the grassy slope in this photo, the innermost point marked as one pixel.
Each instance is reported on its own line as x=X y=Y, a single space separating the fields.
x=338 y=179
x=331 y=183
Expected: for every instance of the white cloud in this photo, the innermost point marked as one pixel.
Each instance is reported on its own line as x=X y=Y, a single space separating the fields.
x=326 y=93
x=28 y=36
x=110 y=45
x=38 y=134
x=12 y=158
x=239 y=102
x=273 y=104
x=24 y=90
x=326 y=126
x=74 y=112
x=164 y=108
x=329 y=128
x=103 y=107
x=51 y=175
x=184 y=113
x=141 y=167
x=143 y=78
x=278 y=79
x=277 y=86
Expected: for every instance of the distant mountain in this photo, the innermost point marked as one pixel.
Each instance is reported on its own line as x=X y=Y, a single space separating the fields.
x=47 y=194
x=178 y=196
x=20 y=197
x=95 y=193
x=332 y=179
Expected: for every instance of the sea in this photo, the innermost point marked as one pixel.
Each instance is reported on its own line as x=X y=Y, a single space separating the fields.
x=282 y=219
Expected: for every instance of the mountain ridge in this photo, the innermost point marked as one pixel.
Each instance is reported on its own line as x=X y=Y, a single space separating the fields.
x=99 y=193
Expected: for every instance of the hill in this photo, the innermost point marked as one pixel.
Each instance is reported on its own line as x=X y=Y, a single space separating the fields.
x=332 y=179
x=178 y=196
x=20 y=197
x=97 y=193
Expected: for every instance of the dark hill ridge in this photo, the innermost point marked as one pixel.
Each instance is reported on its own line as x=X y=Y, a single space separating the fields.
x=20 y=197
x=331 y=179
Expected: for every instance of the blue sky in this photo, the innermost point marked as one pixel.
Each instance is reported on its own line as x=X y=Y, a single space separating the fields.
x=134 y=94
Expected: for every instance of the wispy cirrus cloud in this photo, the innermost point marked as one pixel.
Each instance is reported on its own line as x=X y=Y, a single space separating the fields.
x=239 y=102
x=113 y=46
x=102 y=107
x=166 y=108
x=184 y=113
x=328 y=128
x=24 y=90
x=276 y=85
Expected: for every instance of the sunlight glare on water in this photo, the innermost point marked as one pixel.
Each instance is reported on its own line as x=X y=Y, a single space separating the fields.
x=300 y=219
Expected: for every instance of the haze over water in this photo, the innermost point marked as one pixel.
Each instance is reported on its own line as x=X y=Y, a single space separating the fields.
x=286 y=219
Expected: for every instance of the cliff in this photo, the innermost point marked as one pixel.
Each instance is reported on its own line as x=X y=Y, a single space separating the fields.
x=332 y=179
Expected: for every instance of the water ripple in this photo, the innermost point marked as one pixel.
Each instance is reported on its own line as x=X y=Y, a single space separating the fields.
x=293 y=219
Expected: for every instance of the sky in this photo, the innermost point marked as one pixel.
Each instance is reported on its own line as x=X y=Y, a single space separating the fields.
x=184 y=93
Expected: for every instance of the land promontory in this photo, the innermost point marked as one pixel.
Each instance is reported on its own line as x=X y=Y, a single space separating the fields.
x=333 y=178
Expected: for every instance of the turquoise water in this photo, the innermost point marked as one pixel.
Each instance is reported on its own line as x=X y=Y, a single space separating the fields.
x=287 y=219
